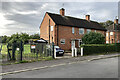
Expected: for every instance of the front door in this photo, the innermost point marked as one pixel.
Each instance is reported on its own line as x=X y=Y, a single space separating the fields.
x=72 y=44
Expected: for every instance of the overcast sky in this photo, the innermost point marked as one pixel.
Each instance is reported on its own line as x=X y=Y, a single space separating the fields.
x=27 y=16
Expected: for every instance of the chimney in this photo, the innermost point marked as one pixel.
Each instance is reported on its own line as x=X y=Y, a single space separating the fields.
x=116 y=21
x=88 y=17
x=62 y=11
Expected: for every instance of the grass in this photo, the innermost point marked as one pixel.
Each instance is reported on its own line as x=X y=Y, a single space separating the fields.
x=26 y=49
x=4 y=49
x=29 y=61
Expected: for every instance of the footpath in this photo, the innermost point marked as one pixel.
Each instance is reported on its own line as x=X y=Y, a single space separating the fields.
x=23 y=67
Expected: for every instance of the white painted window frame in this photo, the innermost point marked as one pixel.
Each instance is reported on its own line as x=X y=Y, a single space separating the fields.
x=82 y=30
x=73 y=30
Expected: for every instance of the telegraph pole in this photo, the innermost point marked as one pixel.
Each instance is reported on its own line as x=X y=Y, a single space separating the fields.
x=115 y=35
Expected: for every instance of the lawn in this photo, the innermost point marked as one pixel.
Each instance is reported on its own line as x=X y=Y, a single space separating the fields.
x=26 y=49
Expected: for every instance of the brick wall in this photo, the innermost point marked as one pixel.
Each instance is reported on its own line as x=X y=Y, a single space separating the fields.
x=66 y=33
x=111 y=38
x=44 y=28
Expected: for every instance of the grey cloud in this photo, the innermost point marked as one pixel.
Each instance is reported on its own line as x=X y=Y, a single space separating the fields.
x=32 y=21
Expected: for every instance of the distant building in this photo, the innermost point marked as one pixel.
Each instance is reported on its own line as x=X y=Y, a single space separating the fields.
x=67 y=31
x=113 y=32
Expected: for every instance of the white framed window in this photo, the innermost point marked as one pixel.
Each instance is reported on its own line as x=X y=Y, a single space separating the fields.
x=107 y=34
x=73 y=31
x=88 y=30
x=81 y=30
x=51 y=28
x=111 y=33
x=95 y=30
x=62 y=41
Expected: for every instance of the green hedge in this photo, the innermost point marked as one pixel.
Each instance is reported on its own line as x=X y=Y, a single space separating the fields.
x=100 y=48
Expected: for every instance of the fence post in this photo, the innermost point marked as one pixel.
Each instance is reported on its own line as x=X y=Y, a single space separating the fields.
x=13 y=50
x=21 y=50
x=81 y=51
x=37 y=54
x=53 y=50
x=8 y=55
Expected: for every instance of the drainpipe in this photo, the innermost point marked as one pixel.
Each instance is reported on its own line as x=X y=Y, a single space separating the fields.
x=49 y=31
x=57 y=34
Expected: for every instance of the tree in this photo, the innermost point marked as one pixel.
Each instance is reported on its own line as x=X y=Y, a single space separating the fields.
x=17 y=37
x=4 y=39
x=25 y=37
x=93 y=38
x=35 y=36
x=106 y=24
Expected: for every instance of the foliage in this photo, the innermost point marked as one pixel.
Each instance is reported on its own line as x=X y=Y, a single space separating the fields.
x=18 y=37
x=4 y=39
x=106 y=24
x=35 y=36
x=93 y=38
x=100 y=48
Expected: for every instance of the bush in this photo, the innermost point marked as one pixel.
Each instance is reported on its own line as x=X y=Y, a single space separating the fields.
x=100 y=48
x=93 y=38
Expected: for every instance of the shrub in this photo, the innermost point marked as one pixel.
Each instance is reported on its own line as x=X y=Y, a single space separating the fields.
x=93 y=38
x=100 y=48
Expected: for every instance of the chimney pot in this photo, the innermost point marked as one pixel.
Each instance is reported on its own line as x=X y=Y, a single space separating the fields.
x=62 y=11
x=88 y=17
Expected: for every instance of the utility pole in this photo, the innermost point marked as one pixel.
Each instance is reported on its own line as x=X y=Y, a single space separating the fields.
x=116 y=36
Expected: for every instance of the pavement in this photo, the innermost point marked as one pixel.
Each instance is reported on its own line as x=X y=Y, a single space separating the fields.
x=17 y=68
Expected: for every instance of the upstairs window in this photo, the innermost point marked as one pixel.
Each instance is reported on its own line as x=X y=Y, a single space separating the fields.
x=111 y=33
x=88 y=30
x=73 y=30
x=81 y=30
x=107 y=34
x=51 y=28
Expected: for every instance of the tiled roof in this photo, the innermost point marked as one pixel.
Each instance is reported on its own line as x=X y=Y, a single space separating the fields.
x=75 y=22
x=113 y=28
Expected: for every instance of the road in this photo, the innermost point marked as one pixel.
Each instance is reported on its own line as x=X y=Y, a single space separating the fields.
x=104 y=68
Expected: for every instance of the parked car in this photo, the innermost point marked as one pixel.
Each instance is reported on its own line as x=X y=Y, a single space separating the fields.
x=59 y=51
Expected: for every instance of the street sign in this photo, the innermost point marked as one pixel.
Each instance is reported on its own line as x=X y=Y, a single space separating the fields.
x=33 y=46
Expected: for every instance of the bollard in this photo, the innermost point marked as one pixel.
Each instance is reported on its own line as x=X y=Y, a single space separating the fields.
x=75 y=52
x=55 y=53
x=81 y=51
x=72 y=52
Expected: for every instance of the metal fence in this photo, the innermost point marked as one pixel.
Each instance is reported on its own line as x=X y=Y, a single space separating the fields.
x=40 y=52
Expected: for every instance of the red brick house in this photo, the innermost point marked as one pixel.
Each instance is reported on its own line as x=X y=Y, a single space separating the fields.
x=113 y=33
x=66 y=31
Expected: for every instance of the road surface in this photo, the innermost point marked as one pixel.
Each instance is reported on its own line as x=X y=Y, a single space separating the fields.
x=104 y=68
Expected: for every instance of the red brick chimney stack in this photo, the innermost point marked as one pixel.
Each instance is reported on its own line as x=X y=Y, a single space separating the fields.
x=62 y=12
x=88 y=17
